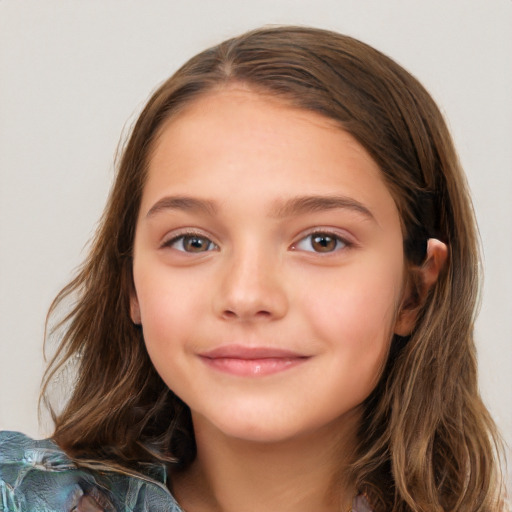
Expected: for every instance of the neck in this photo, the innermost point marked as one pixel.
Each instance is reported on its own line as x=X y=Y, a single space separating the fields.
x=294 y=475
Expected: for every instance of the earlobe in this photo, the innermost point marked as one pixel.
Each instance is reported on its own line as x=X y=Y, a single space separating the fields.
x=135 y=309
x=420 y=281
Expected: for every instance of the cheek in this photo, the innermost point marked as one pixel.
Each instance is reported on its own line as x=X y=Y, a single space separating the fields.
x=359 y=298
x=165 y=310
x=165 y=324
x=355 y=315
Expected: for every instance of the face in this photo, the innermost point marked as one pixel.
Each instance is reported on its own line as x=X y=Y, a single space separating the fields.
x=268 y=266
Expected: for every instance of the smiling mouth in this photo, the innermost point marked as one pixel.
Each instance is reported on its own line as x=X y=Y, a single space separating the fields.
x=251 y=361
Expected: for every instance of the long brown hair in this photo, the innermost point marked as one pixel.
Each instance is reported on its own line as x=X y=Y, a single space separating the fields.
x=426 y=441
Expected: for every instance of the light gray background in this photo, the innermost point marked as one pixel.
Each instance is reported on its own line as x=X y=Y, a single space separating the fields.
x=74 y=74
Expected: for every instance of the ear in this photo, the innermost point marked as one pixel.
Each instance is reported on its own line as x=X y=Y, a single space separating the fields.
x=419 y=282
x=134 y=308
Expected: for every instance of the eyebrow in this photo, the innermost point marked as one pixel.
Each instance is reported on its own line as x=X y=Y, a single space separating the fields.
x=309 y=204
x=290 y=207
x=183 y=203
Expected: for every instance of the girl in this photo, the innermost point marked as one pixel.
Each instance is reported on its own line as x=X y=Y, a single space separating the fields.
x=278 y=306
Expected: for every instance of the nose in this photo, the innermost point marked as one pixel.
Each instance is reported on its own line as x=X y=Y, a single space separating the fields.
x=251 y=288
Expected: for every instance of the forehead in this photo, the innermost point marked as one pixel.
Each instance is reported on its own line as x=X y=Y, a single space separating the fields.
x=235 y=142
x=237 y=108
x=252 y=119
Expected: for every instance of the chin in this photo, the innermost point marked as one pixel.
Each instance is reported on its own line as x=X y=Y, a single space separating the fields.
x=265 y=429
x=253 y=429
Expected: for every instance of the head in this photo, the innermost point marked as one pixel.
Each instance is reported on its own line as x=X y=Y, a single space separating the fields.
x=430 y=357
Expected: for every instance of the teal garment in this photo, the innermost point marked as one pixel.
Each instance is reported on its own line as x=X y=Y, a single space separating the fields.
x=37 y=476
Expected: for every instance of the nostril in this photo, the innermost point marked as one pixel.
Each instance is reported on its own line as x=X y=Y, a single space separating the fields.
x=232 y=315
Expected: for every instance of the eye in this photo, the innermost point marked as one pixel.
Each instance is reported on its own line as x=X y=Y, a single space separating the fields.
x=321 y=242
x=191 y=243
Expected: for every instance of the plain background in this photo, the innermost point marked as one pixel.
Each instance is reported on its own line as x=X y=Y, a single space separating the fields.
x=74 y=74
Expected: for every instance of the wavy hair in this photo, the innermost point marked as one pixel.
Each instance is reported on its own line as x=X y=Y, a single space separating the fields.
x=426 y=441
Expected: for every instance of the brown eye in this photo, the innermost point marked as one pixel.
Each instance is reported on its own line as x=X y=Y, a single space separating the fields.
x=191 y=243
x=195 y=243
x=321 y=243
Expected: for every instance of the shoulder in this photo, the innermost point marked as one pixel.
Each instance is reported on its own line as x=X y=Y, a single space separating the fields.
x=38 y=475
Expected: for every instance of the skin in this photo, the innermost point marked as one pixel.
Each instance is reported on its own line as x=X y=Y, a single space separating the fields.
x=229 y=169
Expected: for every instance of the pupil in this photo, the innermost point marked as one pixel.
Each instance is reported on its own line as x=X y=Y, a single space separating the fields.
x=194 y=244
x=324 y=243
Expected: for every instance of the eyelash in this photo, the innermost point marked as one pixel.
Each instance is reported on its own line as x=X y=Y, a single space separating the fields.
x=341 y=243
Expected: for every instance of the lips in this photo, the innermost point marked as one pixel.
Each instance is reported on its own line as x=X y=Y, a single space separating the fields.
x=251 y=361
